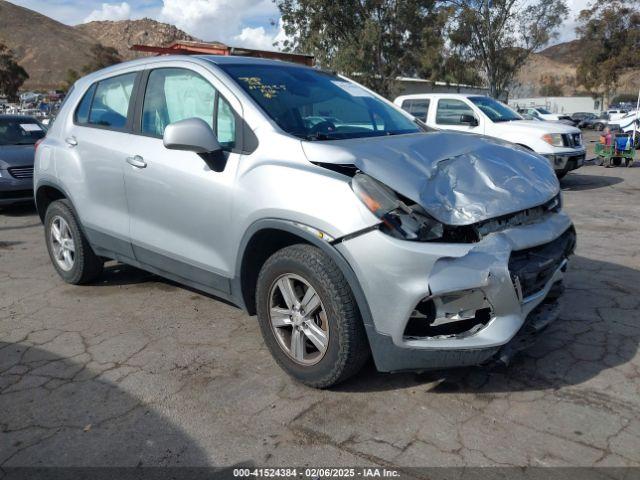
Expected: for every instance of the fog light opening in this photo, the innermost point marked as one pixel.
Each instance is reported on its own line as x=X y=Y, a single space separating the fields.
x=436 y=318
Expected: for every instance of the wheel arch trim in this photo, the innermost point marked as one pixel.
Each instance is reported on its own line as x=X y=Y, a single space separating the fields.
x=294 y=229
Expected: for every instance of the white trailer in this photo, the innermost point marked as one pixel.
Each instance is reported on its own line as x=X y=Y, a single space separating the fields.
x=560 y=105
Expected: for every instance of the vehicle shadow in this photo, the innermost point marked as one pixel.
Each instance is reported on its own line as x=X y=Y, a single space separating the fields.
x=575 y=182
x=55 y=411
x=597 y=330
x=26 y=209
x=120 y=274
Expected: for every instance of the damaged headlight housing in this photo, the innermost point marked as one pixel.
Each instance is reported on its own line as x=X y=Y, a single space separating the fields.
x=554 y=139
x=398 y=219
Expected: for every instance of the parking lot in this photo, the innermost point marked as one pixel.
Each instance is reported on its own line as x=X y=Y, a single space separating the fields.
x=136 y=370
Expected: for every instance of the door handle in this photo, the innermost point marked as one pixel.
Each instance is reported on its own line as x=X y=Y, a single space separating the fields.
x=136 y=161
x=71 y=141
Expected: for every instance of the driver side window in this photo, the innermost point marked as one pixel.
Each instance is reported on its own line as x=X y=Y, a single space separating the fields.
x=450 y=112
x=175 y=94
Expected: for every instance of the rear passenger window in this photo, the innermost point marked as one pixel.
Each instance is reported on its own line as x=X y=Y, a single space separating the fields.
x=417 y=107
x=82 y=112
x=111 y=102
x=450 y=110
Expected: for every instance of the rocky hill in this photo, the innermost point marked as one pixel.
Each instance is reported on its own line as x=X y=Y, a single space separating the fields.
x=46 y=49
x=122 y=35
x=557 y=65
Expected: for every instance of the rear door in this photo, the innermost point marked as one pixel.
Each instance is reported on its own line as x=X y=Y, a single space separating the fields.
x=180 y=208
x=98 y=139
x=418 y=107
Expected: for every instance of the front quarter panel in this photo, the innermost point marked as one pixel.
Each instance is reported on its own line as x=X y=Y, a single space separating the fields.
x=277 y=182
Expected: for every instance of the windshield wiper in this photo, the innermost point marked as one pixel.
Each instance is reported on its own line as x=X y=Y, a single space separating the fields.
x=319 y=136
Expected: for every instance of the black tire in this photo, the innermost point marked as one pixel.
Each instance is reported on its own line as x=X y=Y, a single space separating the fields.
x=599 y=127
x=87 y=266
x=347 y=349
x=561 y=174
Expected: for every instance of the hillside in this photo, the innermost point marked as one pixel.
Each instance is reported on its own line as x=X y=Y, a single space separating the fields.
x=557 y=65
x=45 y=48
x=123 y=34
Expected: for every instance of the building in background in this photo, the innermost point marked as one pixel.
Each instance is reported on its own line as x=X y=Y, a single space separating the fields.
x=183 y=47
x=560 y=105
x=409 y=86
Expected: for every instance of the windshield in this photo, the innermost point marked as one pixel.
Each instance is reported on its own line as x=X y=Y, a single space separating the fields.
x=20 y=131
x=543 y=111
x=496 y=111
x=316 y=105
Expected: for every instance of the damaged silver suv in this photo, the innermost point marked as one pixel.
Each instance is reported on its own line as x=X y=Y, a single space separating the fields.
x=312 y=202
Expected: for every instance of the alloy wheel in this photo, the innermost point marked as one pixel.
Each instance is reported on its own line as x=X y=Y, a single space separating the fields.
x=298 y=319
x=62 y=244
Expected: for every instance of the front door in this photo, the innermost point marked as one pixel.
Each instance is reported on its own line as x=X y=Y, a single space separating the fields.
x=449 y=116
x=179 y=207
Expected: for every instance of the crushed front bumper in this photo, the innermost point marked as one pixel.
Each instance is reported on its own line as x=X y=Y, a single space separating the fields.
x=396 y=276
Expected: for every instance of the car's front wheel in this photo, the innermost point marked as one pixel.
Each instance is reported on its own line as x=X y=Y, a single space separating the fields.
x=309 y=318
x=69 y=250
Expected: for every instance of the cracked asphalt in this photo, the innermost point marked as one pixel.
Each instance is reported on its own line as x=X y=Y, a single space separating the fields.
x=136 y=370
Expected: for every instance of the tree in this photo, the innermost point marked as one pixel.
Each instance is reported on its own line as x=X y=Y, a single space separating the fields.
x=71 y=78
x=102 y=57
x=550 y=88
x=609 y=33
x=374 y=41
x=12 y=75
x=500 y=35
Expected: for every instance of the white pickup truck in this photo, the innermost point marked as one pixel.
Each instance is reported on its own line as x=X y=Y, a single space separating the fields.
x=561 y=144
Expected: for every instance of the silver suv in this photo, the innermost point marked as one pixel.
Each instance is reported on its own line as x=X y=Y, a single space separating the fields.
x=304 y=198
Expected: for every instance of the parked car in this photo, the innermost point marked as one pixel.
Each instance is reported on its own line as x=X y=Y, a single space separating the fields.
x=360 y=234
x=561 y=144
x=616 y=113
x=598 y=123
x=581 y=116
x=18 y=136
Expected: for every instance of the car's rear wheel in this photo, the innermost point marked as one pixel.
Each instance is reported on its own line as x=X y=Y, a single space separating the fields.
x=70 y=253
x=309 y=318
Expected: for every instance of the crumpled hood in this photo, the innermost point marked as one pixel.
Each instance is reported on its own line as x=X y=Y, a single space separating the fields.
x=459 y=179
x=16 y=156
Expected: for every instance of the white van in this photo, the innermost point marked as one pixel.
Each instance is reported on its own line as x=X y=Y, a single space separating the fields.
x=560 y=143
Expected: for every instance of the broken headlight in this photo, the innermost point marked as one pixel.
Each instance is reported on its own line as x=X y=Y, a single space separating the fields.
x=398 y=219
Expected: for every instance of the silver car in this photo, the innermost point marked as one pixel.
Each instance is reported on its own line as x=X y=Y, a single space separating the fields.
x=307 y=199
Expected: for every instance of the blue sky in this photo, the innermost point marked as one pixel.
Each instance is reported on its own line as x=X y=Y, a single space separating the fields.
x=248 y=23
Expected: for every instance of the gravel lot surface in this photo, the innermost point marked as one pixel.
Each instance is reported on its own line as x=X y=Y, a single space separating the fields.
x=136 y=370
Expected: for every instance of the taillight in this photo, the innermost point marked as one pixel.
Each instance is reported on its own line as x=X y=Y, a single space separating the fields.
x=38 y=142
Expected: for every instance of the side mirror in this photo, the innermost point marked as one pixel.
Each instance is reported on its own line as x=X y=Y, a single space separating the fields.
x=192 y=135
x=470 y=120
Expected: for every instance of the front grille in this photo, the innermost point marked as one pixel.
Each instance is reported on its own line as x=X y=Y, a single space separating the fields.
x=533 y=268
x=21 y=172
x=571 y=139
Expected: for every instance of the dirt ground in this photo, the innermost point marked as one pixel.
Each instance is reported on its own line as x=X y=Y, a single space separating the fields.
x=135 y=370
